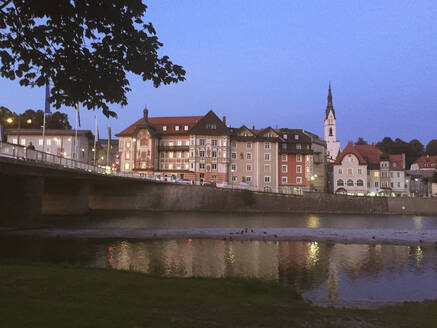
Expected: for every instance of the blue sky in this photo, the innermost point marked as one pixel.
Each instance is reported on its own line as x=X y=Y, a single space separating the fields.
x=269 y=63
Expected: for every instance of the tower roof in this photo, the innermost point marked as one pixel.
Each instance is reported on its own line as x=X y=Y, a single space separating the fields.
x=329 y=106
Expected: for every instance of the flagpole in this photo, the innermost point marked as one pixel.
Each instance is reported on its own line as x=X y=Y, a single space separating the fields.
x=109 y=145
x=95 y=140
x=44 y=133
x=75 y=138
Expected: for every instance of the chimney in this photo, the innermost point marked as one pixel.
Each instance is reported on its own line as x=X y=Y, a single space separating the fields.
x=253 y=127
x=224 y=120
x=146 y=115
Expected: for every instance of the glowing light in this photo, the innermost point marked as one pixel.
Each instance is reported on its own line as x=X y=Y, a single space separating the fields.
x=134 y=139
x=29 y=121
x=83 y=149
x=313 y=221
x=9 y=120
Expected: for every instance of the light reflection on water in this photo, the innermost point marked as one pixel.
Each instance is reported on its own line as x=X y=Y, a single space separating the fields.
x=322 y=271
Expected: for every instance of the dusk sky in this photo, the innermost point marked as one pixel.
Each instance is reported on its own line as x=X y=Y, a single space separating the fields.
x=269 y=63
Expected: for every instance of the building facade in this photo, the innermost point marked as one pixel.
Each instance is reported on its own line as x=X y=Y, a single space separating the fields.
x=56 y=142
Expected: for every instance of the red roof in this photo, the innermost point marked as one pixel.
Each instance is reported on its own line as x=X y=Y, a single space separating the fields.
x=350 y=149
x=396 y=158
x=170 y=122
x=370 y=153
x=427 y=162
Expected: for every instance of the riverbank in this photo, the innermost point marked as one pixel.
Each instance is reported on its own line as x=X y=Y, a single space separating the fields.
x=42 y=295
x=356 y=236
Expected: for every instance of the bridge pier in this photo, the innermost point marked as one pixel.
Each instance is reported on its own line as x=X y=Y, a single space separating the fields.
x=21 y=201
x=66 y=197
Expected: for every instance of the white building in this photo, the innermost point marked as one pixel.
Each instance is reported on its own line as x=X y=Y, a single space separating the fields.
x=57 y=142
x=333 y=145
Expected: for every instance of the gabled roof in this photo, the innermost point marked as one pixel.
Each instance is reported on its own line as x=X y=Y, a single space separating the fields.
x=396 y=162
x=350 y=149
x=210 y=124
x=169 y=122
x=370 y=153
x=426 y=162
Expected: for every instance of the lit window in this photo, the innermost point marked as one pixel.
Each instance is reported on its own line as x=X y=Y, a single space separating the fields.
x=296 y=137
x=40 y=142
x=176 y=127
x=170 y=154
x=164 y=128
x=179 y=142
x=126 y=166
x=170 y=166
x=186 y=127
x=376 y=174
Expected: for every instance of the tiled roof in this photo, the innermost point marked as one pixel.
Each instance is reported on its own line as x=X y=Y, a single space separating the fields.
x=370 y=153
x=170 y=122
x=210 y=124
x=396 y=158
x=350 y=149
x=426 y=162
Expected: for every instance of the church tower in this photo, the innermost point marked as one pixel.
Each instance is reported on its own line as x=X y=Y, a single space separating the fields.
x=333 y=145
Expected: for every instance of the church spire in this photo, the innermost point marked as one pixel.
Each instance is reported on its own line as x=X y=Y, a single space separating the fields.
x=329 y=106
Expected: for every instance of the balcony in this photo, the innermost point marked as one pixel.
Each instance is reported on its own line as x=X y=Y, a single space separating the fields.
x=174 y=148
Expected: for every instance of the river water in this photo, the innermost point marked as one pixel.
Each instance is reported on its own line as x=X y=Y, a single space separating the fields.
x=324 y=272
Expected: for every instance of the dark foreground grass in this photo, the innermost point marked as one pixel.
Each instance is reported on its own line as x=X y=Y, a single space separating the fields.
x=44 y=295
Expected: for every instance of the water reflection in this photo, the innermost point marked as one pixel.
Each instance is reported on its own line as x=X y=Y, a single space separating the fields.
x=322 y=271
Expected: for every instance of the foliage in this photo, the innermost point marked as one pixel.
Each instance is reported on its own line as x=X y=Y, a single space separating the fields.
x=412 y=150
x=85 y=47
x=431 y=148
x=32 y=119
x=361 y=141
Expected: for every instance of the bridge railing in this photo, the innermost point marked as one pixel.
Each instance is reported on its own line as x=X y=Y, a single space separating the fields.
x=22 y=153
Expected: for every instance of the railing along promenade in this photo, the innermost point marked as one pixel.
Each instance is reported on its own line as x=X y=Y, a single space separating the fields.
x=23 y=153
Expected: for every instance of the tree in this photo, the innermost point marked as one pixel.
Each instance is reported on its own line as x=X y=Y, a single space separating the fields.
x=412 y=150
x=361 y=141
x=32 y=119
x=84 y=47
x=431 y=148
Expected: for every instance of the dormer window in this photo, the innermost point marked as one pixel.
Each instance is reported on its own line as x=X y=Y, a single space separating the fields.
x=186 y=127
x=176 y=127
x=285 y=136
x=296 y=137
x=211 y=126
x=164 y=128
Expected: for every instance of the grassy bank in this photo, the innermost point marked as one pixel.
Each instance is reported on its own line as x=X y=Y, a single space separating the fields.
x=43 y=295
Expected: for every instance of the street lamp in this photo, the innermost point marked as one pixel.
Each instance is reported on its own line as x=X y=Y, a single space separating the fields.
x=9 y=120
x=29 y=121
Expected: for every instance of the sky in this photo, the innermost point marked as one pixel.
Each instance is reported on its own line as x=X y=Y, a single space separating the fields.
x=268 y=63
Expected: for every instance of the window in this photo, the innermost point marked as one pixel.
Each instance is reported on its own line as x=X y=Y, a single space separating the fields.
x=248 y=167
x=267 y=189
x=234 y=155
x=49 y=142
x=186 y=127
x=360 y=183
x=350 y=171
x=298 y=146
x=201 y=165
x=350 y=183
x=284 y=146
x=214 y=153
x=179 y=142
x=214 y=142
x=202 y=153
x=299 y=180
x=234 y=178
x=284 y=168
x=399 y=184
x=127 y=144
x=234 y=167
x=376 y=174
x=187 y=143
x=394 y=164
x=233 y=144
x=162 y=155
x=360 y=171
x=284 y=136
x=127 y=155
x=202 y=142
x=330 y=132
x=267 y=168
x=211 y=126
x=267 y=157
x=391 y=184
x=40 y=142
x=267 y=179
x=249 y=145
x=340 y=182
x=284 y=180
x=176 y=127
x=340 y=171
x=214 y=166
x=248 y=179
x=266 y=145
x=164 y=128
x=170 y=154
x=391 y=174
x=296 y=137
x=298 y=158
x=376 y=184
x=192 y=166
x=170 y=166
x=284 y=158
x=298 y=168
x=126 y=166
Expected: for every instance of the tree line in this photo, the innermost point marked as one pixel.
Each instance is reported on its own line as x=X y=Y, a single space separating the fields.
x=412 y=150
x=33 y=119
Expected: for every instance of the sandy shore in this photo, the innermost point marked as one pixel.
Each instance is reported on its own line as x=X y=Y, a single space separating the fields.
x=359 y=236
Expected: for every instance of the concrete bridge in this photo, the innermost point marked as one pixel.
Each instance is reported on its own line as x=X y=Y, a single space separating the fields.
x=30 y=189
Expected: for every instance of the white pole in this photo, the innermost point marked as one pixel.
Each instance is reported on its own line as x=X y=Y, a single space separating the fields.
x=44 y=133
x=75 y=138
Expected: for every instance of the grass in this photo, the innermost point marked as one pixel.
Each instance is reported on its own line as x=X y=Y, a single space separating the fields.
x=45 y=295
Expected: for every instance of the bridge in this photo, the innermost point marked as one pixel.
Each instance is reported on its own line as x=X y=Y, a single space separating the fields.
x=33 y=184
